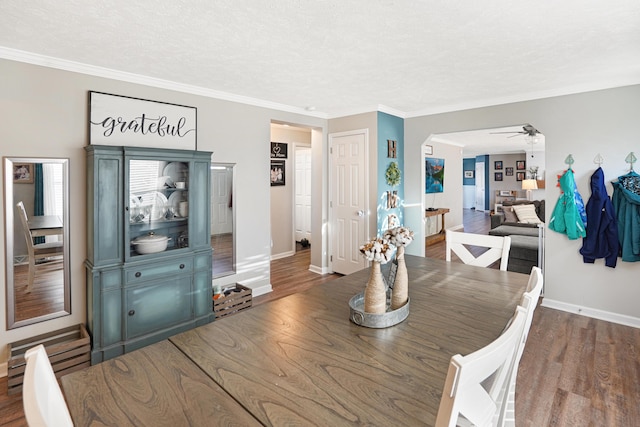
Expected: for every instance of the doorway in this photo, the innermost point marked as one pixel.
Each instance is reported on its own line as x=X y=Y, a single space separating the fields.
x=480 y=186
x=291 y=201
x=302 y=185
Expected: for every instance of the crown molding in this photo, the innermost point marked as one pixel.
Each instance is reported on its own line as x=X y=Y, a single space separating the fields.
x=92 y=70
x=530 y=96
x=78 y=67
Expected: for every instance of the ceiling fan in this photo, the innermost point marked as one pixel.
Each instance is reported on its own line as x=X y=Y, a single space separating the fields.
x=526 y=130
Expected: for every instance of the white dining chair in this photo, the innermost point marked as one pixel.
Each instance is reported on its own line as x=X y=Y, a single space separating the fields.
x=44 y=404
x=476 y=384
x=529 y=303
x=498 y=248
x=36 y=252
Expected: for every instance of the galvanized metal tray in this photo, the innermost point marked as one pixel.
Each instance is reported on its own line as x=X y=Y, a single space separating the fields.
x=371 y=320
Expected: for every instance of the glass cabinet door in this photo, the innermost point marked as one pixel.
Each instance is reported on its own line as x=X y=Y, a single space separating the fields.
x=158 y=206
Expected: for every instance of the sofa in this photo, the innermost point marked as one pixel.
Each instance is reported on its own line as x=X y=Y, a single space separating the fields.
x=526 y=237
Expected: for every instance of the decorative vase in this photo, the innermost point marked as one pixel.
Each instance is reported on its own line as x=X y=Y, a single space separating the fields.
x=375 y=294
x=400 y=293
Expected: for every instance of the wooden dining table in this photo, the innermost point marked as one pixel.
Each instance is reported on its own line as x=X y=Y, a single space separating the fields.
x=299 y=360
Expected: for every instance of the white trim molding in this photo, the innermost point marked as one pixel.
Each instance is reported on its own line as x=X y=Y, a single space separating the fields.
x=258 y=286
x=319 y=270
x=108 y=73
x=592 y=312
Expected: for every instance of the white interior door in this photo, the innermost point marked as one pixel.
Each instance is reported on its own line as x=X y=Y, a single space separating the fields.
x=480 y=186
x=221 y=208
x=348 y=200
x=302 y=208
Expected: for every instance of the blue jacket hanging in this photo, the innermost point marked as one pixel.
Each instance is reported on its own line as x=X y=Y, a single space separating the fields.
x=602 y=225
x=566 y=215
x=626 y=203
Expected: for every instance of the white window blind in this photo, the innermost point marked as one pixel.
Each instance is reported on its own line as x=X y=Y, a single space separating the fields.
x=143 y=176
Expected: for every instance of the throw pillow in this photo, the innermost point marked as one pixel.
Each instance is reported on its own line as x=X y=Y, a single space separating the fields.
x=509 y=214
x=527 y=214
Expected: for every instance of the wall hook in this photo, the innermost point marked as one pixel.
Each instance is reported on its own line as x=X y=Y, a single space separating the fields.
x=598 y=160
x=569 y=160
x=631 y=159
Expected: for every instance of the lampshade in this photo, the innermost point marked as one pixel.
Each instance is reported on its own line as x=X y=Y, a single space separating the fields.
x=529 y=184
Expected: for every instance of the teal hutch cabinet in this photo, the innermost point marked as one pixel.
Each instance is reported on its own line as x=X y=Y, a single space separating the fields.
x=148 y=246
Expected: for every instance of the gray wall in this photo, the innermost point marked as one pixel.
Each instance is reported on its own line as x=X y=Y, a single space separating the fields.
x=45 y=113
x=583 y=125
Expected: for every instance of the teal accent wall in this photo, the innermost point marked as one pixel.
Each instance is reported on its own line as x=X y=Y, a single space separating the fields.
x=389 y=128
x=469 y=165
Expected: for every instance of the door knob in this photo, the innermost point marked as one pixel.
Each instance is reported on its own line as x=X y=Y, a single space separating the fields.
x=360 y=213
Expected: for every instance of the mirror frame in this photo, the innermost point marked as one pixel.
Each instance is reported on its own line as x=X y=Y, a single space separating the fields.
x=9 y=240
x=232 y=167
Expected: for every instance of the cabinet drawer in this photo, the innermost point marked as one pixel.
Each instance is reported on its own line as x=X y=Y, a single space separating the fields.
x=169 y=267
x=158 y=306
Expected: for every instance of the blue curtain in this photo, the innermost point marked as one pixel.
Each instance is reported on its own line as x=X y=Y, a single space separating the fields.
x=38 y=202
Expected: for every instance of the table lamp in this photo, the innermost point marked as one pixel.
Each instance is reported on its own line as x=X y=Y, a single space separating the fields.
x=529 y=184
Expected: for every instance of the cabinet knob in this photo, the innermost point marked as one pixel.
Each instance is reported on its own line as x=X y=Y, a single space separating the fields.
x=132 y=312
x=138 y=274
x=181 y=266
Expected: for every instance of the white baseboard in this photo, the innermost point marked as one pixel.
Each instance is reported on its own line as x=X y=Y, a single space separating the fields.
x=258 y=287
x=592 y=312
x=3 y=369
x=319 y=270
x=282 y=255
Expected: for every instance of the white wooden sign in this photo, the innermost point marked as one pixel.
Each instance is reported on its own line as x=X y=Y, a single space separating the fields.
x=121 y=120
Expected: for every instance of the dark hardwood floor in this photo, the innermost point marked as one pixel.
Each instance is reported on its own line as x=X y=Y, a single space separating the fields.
x=575 y=371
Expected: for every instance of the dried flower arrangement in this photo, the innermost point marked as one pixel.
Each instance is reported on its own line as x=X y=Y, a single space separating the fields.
x=378 y=250
x=399 y=236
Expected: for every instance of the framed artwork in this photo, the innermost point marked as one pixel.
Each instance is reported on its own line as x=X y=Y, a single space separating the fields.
x=23 y=173
x=497 y=165
x=520 y=165
x=498 y=176
x=135 y=122
x=434 y=175
x=519 y=176
x=428 y=149
x=277 y=172
x=392 y=148
x=468 y=174
x=508 y=171
x=278 y=150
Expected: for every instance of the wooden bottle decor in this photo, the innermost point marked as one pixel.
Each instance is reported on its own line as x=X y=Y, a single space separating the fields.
x=400 y=293
x=375 y=294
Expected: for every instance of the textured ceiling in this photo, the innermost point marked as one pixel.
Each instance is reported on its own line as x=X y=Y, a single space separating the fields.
x=341 y=56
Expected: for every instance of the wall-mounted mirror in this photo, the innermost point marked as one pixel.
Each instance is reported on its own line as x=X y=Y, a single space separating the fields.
x=36 y=239
x=222 y=219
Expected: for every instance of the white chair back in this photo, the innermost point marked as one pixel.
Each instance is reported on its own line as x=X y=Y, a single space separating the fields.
x=36 y=251
x=476 y=384
x=498 y=248
x=44 y=404
x=529 y=304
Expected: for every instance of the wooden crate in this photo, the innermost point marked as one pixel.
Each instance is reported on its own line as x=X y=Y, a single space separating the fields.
x=233 y=303
x=68 y=349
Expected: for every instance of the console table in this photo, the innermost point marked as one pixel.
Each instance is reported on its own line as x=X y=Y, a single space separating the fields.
x=440 y=235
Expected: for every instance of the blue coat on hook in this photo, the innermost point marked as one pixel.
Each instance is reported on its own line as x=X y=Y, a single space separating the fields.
x=602 y=225
x=626 y=202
